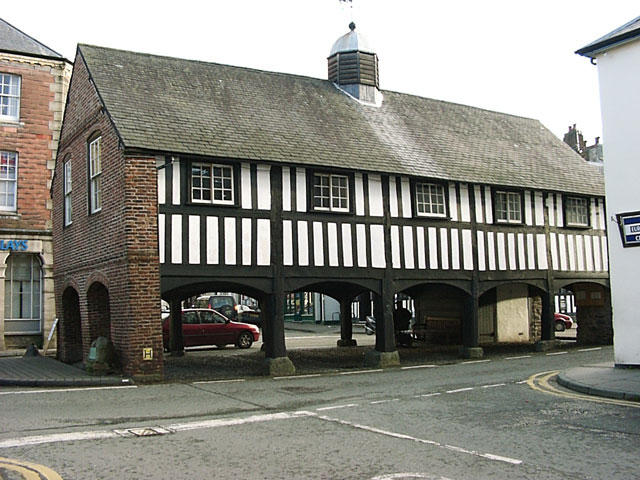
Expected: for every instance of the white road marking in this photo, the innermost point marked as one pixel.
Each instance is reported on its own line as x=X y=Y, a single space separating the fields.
x=417 y=366
x=66 y=390
x=520 y=383
x=313 y=336
x=556 y=353
x=459 y=390
x=56 y=438
x=475 y=361
x=384 y=401
x=401 y=436
x=590 y=349
x=293 y=377
x=219 y=381
x=429 y=395
x=226 y=422
x=402 y=476
x=494 y=385
x=362 y=371
x=335 y=407
x=517 y=358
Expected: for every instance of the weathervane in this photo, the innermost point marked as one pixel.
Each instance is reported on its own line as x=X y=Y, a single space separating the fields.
x=350 y=3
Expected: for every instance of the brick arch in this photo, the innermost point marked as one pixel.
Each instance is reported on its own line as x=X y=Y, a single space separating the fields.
x=98 y=311
x=97 y=277
x=70 y=328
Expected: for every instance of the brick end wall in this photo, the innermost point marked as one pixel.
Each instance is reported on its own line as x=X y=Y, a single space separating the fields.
x=116 y=246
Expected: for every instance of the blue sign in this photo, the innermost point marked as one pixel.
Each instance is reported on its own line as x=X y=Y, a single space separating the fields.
x=630 y=229
x=14 y=245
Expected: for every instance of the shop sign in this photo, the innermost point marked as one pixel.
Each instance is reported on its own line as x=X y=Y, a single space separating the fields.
x=629 y=229
x=14 y=245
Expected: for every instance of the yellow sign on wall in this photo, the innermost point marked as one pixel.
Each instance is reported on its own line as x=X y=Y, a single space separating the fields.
x=147 y=353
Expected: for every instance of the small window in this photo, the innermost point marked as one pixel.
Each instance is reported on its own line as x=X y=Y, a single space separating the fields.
x=212 y=183
x=9 y=97
x=577 y=212
x=95 y=176
x=508 y=207
x=331 y=192
x=67 y=192
x=8 y=181
x=430 y=200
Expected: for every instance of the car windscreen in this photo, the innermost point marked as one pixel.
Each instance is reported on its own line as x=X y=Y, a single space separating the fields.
x=218 y=302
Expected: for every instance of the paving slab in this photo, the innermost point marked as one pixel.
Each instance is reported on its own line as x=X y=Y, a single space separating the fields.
x=45 y=371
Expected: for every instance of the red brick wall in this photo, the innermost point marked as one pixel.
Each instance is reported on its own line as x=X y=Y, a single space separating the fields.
x=31 y=140
x=117 y=246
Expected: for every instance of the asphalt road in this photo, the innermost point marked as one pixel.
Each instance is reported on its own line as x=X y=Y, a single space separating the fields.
x=468 y=420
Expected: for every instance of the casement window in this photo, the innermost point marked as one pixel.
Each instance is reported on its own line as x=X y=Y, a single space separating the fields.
x=212 y=183
x=8 y=181
x=67 y=192
x=22 y=294
x=577 y=212
x=508 y=207
x=430 y=200
x=330 y=192
x=9 y=97
x=95 y=176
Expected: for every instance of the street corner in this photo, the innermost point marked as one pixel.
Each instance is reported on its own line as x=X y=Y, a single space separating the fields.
x=19 y=469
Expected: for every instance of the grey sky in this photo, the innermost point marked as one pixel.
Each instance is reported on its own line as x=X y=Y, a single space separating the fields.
x=509 y=56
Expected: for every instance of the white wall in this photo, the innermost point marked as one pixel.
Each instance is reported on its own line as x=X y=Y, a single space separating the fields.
x=619 y=74
x=512 y=312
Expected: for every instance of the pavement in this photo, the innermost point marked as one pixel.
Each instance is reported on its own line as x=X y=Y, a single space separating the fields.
x=603 y=379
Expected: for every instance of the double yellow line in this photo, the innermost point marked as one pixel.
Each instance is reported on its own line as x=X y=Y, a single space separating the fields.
x=28 y=470
x=540 y=382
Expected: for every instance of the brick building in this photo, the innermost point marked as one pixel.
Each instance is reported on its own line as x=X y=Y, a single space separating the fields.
x=33 y=86
x=193 y=177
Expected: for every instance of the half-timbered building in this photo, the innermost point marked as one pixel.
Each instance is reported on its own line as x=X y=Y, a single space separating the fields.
x=193 y=177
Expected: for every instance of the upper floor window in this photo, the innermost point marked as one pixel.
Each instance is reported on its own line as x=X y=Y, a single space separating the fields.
x=331 y=192
x=67 y=192
x=508 y=207
x=211 y=183
x=430 y=199
x=8 y=181
x=577 y=212
x=95 y=176
x=9 y=97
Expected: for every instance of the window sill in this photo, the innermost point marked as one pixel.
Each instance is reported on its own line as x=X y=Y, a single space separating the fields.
x=13 y=215
x=10 y=123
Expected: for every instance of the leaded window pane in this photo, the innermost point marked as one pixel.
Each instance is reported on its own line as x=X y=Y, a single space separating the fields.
x=430 y=199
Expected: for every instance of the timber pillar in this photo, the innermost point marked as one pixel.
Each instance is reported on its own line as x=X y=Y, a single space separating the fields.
x=470 y=329
x=176 y=341
x=346 y=326
x=385 y=353
x=548 y=333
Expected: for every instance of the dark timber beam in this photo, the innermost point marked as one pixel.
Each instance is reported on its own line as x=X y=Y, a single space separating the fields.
x=176 y=341
x=346 y=326
x=277 y=362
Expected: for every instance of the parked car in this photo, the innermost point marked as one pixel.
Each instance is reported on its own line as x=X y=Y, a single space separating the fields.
x=562 y=322
x=205 y=326
x=225 y=304
x=247 y=314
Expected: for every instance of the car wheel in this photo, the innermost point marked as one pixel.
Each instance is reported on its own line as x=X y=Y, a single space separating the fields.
x=560 y=327
x=245 y=340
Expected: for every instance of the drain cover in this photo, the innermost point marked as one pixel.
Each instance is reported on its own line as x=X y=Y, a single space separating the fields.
x=143 y=432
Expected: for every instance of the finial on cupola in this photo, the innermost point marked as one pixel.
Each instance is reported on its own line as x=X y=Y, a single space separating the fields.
x=352 y=26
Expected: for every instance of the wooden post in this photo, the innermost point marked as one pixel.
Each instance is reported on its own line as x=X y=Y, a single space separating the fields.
x=176 y=342
x=346 y=327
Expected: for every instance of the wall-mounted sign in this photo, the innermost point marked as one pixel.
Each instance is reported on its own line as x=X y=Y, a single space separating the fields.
x=629 y=228
x=14 y=245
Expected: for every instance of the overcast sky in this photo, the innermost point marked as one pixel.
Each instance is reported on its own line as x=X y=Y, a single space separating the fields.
x=510 y=56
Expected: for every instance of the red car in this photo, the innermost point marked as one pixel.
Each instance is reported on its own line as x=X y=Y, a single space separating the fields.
x=562 y=322
x=204 y=326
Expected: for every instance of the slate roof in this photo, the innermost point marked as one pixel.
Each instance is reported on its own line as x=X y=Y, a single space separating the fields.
x=621 y=34
x=15 y=41
x=180 y=106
